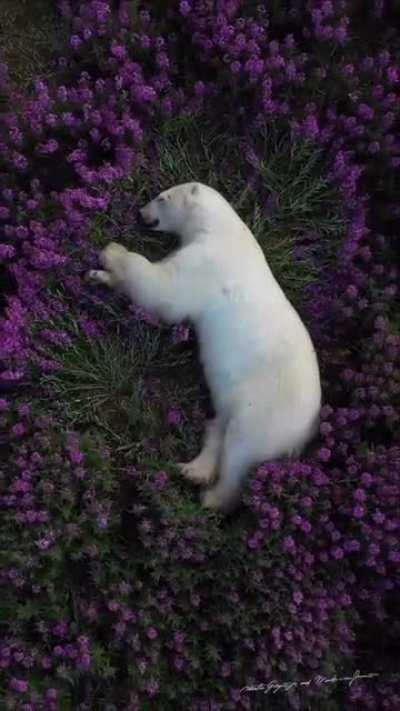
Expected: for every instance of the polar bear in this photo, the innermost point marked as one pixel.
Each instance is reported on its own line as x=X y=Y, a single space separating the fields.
x=258 y=358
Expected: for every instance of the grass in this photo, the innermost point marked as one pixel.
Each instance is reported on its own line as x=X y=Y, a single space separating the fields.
x=29 y=37
x=101 y=383
x=123 y=386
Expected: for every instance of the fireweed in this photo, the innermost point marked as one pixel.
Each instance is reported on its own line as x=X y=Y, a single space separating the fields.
x=117 y=590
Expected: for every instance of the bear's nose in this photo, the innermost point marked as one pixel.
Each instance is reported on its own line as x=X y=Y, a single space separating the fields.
x=145 y=220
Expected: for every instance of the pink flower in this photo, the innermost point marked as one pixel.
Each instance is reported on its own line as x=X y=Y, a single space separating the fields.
x=19 y=685
x=161 y=480
x=174 y=417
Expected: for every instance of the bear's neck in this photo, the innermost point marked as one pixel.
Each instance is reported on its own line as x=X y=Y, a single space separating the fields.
x=201 y=226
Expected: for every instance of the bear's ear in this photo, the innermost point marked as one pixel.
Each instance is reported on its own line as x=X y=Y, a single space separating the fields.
x=195 y=189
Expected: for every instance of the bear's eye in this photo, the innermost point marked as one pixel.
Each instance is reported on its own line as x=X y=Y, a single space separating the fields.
x=161 y=199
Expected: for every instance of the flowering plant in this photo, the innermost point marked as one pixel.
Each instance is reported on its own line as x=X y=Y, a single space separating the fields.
x=117 y=591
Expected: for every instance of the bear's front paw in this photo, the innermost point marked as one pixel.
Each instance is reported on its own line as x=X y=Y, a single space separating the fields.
x=111 y=253
x=98 y=276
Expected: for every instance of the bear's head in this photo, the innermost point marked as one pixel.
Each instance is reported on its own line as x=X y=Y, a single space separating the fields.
x=171 y=210
x=183 y=209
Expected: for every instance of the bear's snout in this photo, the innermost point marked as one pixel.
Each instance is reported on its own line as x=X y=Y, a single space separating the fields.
x=146 y=219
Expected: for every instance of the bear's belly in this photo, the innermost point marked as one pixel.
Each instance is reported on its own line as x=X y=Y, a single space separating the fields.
x=244 y=339
x=234 y=341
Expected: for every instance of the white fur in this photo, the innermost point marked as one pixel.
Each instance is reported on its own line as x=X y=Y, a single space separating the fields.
x=258 y=358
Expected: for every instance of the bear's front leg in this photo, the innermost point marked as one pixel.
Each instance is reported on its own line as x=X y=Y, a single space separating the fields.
x=114 y=258
x=158 y=287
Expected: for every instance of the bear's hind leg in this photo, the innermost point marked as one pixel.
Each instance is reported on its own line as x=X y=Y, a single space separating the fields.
x=202 y=469
x=236 y=459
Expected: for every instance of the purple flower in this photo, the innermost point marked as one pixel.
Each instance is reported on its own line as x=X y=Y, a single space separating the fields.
x=51 y=694
x=337 y=553
x=85 y=661
x=298 y=597
x=48 y=148
x=7 y=251
x=324 y=454
x=18 y=430
x=358 y=511
x=61 y=629
x=253 y=542
x=360 y=495
x=180 y=334
x=161 y=480
x=19 y=685
x=184 y=8
x=174 y=417
x=118 y=51
x=102 y=521
x=289 y=544
x=152 y=688
x=75 y=41
x=44 y=543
